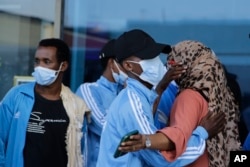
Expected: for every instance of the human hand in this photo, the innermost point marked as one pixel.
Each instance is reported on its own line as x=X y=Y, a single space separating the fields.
x=135 y=143
x=174 y=72
x=213 y=123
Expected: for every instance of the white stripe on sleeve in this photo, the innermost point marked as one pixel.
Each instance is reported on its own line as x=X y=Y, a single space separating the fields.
x=89 y=99
x=138 y=112
x=194 y=152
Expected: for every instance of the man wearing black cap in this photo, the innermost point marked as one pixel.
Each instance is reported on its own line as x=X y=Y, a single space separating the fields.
x=138 y=54
x=98 y=97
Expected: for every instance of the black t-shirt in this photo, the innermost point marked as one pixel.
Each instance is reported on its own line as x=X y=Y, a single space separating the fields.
x=46 y=134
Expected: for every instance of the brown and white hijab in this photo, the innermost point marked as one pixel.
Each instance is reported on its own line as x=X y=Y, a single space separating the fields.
x=206 y=75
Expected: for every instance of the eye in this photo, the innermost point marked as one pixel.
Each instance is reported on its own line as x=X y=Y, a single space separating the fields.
x=36 y=61
x=47 y=61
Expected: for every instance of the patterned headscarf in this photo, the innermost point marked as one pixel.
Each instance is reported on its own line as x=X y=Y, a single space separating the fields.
x=206 y=75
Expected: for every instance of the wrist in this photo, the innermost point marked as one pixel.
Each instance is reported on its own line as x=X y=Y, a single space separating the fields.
x=162 y=85
x=160 y=88
x=147 y=143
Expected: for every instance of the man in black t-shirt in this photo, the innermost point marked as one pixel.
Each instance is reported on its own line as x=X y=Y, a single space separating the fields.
x=41 y=123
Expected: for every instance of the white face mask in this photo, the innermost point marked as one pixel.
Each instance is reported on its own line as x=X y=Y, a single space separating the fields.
x=45 y=76
x=153 y=70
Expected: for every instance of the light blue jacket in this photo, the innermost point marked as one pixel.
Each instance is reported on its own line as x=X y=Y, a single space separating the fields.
x=246 y=144
x=164 y=107
x=15 y=111
x=98 y=97
x=132 y=110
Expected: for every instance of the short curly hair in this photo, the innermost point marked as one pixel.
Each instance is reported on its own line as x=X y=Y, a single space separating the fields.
x=63 y=51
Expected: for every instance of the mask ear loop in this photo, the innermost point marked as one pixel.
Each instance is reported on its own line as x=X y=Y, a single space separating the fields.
x=133 y=71
x=116 y=65
x=57 y=72
x=120 y=71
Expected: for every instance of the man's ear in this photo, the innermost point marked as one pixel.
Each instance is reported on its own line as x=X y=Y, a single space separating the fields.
x=65 y=66
x=111 y=63
x=127 y=66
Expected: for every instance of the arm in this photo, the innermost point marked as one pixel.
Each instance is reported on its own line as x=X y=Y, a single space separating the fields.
x=185 y=115
x=184 y=118
x=173 y=73
x=212 y=124
x=5 y=121
x=195 y=148
x=246 y=144
x=84 y=142
x=162 y=114
x=93 y=101
x=153 y=157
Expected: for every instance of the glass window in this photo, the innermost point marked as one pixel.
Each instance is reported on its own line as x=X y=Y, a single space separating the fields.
x=23 y=24
x=222 y=25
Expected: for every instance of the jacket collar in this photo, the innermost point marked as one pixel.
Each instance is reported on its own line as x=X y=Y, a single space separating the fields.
x=149 y=94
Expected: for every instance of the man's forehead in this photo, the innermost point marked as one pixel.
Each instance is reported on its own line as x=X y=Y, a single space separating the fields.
x=46 y=52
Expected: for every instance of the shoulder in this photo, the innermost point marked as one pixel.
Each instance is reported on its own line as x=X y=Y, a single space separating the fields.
x=191 y=96
x=87 y=90
x=190 y=93
x=19 y=92
x=87 y=87
x=26 y=88
x=68 y=95
x=89 y=84
x=122 y=101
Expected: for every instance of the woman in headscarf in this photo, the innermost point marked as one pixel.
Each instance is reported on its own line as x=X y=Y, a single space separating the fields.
x=202 y=89
x=205 y=75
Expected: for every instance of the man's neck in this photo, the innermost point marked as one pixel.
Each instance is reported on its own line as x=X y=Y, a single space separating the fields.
x=51 y=92
x=107 y=74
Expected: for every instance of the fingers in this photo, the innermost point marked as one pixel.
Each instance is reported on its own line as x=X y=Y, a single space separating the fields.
x=130 y=146
x=131 y=143
x=134 y=143
x=220 y=118
x=219 y=121
x=208 y=116
x=176 y=71
x=136 y=137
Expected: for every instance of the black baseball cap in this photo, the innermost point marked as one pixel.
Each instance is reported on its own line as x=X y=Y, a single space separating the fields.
x=138 y=43
x=107 y=50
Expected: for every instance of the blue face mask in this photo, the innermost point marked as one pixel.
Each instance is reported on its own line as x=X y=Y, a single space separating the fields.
x=121 y=77
x=153 y=70
x=115 y=76
x=45 y=76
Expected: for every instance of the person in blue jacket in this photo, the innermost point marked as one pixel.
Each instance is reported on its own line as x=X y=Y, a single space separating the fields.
x=161 y=116
x=132 y=109
x=246 y=143
x=99 y=95
x=246 y=120
x=41 y=122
